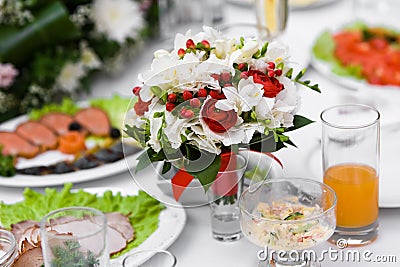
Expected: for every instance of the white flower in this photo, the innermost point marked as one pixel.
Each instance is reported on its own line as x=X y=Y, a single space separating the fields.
x=89 y=58
x=70 y=75
x=250 y=48
x=160 y=53
x=117 y=19
x=242 y=99
x=174 y=128
x=264 y=107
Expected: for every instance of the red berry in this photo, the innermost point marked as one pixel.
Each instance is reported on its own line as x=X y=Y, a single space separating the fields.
x=202 y=92
x=271 y=65
x=215 y=76
x=182 y=113
x=214 y=94
x=278 y=72
x=241 y=66
x=190 y=44
x=206 y=44
x=136 y=90
x=187 y=95
x=169 y=106
x=195 y=103
x=189 y=114
x=181 y=52
x=228 y=85
x=271 y=73
x=171 y=98
x=225 y=76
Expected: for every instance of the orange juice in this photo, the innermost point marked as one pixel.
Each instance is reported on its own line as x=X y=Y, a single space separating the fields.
x=356 y=187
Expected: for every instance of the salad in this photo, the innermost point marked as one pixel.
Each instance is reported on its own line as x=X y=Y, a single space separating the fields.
x=284 y=225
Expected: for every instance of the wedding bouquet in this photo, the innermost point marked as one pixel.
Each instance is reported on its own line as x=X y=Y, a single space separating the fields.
x=211 y=96
x=51 y=48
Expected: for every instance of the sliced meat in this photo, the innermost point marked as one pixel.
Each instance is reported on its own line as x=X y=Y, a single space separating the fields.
x=58 y=122
x=31 y=258
x=37 y=134
x=30 y=238
x=94 y=120
x=15 y=145
x=116 y=242
x=121 y=223
x=19 y=228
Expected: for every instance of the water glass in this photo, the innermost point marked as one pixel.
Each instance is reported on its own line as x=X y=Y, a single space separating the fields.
x=350 y=154
x=223 y=196
x=75 y=234
x=8 y=248
x=150 y=258
x=271 y=15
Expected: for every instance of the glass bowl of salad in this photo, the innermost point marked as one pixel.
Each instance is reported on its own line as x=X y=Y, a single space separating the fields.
x=286 y=217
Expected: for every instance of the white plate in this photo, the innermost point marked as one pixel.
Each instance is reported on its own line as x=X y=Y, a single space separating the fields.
x=172 y=221
x=306 y=4
x=59 y=179
x=389 y=182
x=348 y=82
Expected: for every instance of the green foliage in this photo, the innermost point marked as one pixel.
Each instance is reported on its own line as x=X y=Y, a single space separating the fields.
x=68 y=254
x=7 y=168
x=67 y=106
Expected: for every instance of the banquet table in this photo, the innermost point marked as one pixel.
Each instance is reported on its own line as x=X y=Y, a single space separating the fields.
x=195 y=246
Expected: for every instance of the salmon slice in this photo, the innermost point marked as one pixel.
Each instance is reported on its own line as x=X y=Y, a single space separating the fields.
x=15 y=145
x=37 y=134
x=58 y=122
x=94 y=120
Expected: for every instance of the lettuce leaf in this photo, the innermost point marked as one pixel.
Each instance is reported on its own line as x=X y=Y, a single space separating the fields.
x=143 y=210
x=67 y=106
x=116 y=108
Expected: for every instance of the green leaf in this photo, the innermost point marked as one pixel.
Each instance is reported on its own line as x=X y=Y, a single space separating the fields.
x=147 y=157
x=166 y=167
x=300 y=74
x=7 y=168
x=299 y=121
x=264 y=49
x=289 y=73
x=324 y=47
x=208 y=175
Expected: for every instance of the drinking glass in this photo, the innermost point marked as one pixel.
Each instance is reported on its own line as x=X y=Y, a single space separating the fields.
x=350 y=154
x=271 y=15
x=223 y=196
x=74 y=235
x=287 y=215
x=8 y=248
x=150 y=258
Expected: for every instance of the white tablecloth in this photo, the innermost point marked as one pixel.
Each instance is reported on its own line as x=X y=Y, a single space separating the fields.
x=195 y=247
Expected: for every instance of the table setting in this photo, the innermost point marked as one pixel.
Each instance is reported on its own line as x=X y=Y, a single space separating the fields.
x=199 y=133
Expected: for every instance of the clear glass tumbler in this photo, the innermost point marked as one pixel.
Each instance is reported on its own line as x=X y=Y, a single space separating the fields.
x=223 y=196
x=75 y=235
x=150 y=258
x=350 y=154
x=8 y=248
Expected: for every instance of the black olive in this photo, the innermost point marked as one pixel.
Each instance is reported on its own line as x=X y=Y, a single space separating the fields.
x=115 y=133
x=74 y=126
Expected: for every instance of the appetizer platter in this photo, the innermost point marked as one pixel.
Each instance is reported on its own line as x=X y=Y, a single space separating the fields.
x=359 y=56
x=137 y=221
x=44 y=147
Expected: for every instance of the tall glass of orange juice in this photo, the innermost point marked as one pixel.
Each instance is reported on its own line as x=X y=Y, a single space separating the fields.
x=350 y=155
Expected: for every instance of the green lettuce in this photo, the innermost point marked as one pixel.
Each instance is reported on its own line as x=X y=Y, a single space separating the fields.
x=116 y=108
x=143 y=210
x=67 y=106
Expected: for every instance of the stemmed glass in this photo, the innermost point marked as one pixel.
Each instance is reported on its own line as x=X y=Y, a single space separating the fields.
x=271 y=15
x=288 y=216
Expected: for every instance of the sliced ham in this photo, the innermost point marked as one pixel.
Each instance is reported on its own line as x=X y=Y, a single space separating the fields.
x=58 y=122
x=121 y=223
x=18 y=229
x=37 y=134
x=94 y=120
x=15 y=145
